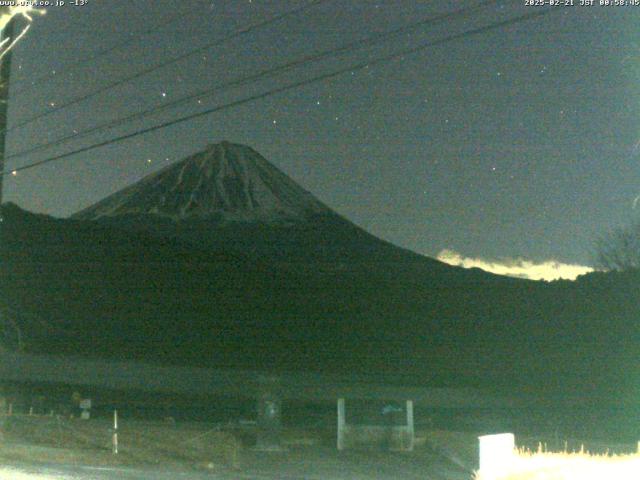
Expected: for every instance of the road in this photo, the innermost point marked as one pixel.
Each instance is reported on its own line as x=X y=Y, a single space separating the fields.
x=71 y=472
x=323 y=465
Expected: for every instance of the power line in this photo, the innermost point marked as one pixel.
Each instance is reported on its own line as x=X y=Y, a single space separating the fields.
x=366 y=42
x=146 y=71
x=301 y=83
x=66 y=69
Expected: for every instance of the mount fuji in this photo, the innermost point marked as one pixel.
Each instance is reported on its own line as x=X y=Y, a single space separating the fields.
x=224 y=183
x=229 y=198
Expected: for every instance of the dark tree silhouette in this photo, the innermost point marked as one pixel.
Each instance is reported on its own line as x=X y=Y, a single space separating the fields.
x=620 y=249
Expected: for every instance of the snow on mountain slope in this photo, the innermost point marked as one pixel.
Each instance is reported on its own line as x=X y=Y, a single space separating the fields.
x=226 y=181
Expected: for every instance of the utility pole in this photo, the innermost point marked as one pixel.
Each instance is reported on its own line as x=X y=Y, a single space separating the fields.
x=5 y=74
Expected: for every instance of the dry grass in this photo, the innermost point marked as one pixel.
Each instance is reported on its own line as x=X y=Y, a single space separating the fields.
x=52 y=439
x=527 y=465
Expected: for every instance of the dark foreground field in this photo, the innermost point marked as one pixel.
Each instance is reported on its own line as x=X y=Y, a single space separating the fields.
x=55 y=447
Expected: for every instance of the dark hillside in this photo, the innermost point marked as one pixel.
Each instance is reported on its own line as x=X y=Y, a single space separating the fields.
x=84 y=289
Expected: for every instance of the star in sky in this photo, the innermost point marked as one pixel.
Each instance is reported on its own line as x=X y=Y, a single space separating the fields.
x=480 y=105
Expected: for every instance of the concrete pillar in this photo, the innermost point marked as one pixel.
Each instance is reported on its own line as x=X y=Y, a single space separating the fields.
x=410 y=429
x=4 y=408
x=269 y=418
x=341 y=424
x=85 y=408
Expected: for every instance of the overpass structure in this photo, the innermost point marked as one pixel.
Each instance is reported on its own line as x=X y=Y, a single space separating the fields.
x=313 y=387
x=268 y=389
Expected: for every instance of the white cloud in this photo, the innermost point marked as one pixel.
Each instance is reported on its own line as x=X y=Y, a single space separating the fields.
x=520 y=268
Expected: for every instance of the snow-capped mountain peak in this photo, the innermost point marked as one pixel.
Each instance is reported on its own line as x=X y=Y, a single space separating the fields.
x=226 y=182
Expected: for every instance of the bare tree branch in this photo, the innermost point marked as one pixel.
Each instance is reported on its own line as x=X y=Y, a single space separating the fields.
x=620 y=249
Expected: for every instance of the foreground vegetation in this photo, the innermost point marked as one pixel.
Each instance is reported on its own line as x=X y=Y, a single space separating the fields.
x=56 y=439
x=541 y=465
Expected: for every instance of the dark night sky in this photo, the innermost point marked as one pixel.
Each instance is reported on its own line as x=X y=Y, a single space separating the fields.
x=515 y=143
